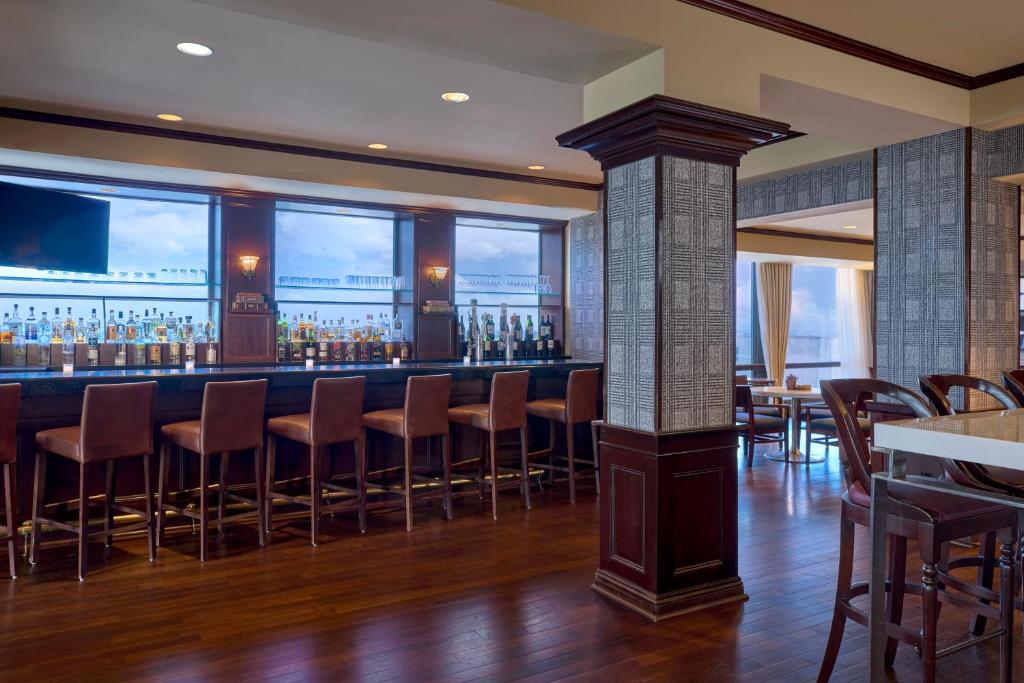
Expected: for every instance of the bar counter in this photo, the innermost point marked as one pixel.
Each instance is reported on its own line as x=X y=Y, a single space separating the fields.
x=54 y=399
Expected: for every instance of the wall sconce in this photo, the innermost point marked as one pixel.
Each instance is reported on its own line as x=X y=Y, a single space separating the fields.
x=248 y=265
x=438 y=274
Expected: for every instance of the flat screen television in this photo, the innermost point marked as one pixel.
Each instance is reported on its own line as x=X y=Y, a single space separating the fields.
x=53 y=230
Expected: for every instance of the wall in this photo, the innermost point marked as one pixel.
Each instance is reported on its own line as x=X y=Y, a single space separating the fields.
x=586 y=286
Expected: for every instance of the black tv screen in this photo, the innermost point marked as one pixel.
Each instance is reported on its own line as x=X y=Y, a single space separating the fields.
x=53 y=230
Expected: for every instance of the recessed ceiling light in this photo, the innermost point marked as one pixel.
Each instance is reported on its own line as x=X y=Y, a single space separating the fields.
x=849 y=227
x=195 y=49
x=535 y=167
x=168 y=117
x=454 y=96
x=377 y=145
x=108 y=190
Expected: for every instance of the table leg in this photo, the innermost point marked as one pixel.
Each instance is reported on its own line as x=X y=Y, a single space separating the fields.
x=877 y=642
x=794 y=454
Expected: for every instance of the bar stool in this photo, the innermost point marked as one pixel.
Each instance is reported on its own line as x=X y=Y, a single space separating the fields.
x=334 y=417
x=10 y=394
x=579 y=405
x=231 y=420
x=424 y=415
x=117 y=424
x=505 y=411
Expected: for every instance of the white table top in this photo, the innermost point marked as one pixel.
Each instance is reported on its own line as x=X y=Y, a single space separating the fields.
x=783 y=392
x=993 y=438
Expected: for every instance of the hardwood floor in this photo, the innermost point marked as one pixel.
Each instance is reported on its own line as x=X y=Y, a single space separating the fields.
x=467 y=600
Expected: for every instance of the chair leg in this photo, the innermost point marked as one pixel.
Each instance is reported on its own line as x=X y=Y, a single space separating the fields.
x=597 y=463
x=898 y=578
x=408 y=485
x=222 y=487
x=526 y=466
x=807 y=440
x=930 y=617
x=83 y=524
x=843 y=581
x=204 y=505
x=551 y=452
x=985 y=575
x=361 y=479
x=481 y=463
x=259 y=467
x=748 y=444
x=147 y=472
x=12 y=531
x=271 y=464
x=108 y=503
x=161 y=492
x=493 y=443
x=1007 y=588
x=314 y=495
x=446 y=466
x=38 y=504
x=570 y=451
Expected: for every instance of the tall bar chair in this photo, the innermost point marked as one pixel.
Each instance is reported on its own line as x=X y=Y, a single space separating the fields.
x=505 y=411
x=335 y=417
x=117 y=424
x=10 y=395
x=231 y=421
x=579 y=405
x=932 y=519
x=425 y=415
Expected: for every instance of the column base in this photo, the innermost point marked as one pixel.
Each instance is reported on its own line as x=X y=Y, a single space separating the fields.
x=661 y=606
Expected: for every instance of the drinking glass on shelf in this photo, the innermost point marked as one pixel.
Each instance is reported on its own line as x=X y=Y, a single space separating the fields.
x=349 y=280
x=335 y=282
x=202 y=276
x=193 y=275
x=282 y=280
x=164 y=275
x=183 y=274
x=123 y=275
x=151 y=277
x=304 y=281
x=173 y=275
x=138 y=276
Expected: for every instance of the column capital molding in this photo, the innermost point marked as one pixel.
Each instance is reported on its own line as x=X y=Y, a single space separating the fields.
x=659 y=125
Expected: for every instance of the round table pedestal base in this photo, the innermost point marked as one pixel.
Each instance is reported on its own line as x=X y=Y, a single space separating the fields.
x=794 y=456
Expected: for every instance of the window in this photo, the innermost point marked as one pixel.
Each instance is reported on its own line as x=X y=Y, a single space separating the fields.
x=747 y=334
x=813 y=323
x=159 y=260
x=337 y=263
x=498 y=262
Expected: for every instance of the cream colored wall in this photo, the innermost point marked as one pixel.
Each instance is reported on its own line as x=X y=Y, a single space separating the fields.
x=773 y=245
x=633 y=82
x=999 y=105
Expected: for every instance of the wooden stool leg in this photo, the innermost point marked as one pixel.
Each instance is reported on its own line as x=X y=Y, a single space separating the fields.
x=38 y=504
x=898 y=578
x=12 y=529
x=843 y=582
x=314 y=495
x=108 y=503
x=493 y=442
x=446 y=466
x=271 y=465
x=526 y=465
x=147 y=471
x=930 y=617
x=259 y=465
x=83 y=524
x=204 y=504
x=551 y=452
x=481 y=463
x=570 y=450
x=597 y=463
x=408 y=485
x=161 y=491
x=985 y=574
x=1007 y=589
x=222 y=486
x=361 y=479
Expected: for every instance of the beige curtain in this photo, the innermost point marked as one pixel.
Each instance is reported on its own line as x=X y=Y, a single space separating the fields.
x=854 y=323
x=868 y=283
x=774 y=297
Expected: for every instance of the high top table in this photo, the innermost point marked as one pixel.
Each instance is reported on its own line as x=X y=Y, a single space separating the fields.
x=794 y=397
x=995 y=439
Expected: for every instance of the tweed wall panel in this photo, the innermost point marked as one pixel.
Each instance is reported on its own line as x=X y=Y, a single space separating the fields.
x=630 y=356
x=920 y=267
x=698 y=271
x=993 y=284
x=840 y=183
x=1004 y=151
x=586 y=285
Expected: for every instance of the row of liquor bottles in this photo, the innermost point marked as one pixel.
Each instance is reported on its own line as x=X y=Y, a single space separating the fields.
x=508 y=338
x=131 y=342
x=330 y=341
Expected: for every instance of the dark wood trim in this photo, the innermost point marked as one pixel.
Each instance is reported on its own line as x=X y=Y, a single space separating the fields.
x=741 y=11
x=754 y=230
x=284 y=148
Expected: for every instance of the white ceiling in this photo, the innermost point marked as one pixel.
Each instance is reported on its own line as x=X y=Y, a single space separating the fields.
x=286 y=69
x=972 y=37
x=831 y=223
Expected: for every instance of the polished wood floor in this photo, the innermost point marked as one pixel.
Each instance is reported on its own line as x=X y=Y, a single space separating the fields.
x=470 y=599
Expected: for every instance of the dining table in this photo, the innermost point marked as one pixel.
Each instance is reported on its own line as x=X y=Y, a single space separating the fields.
x=992 y=438
x=795 y=399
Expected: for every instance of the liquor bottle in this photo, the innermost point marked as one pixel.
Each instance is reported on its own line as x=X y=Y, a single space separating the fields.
x=397 y=331
x=160 y=329
x=462 y=330
x=120 y=329
x=17 y=327
x=18 y=340
x=211 y=342
x=489 y=326
x=120 y=339
x=69 y=326
x=282 y=338
x=190 y=340
x=503 y=340
x=80 y=332
x=517 y=336
x=319 y=337
x=68 y=344
x=92 y=338
x=551 y=337
x=31 y=327
x=45 y=334
x=110 y=329
x=58 y=328
x=174 y=350
x=147 y=326
x=172 y=327
x=528 y=338
x=6 y=336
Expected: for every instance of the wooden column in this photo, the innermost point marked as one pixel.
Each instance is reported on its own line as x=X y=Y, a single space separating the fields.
x=247 y=228
x=434 y=246
x=668 y=450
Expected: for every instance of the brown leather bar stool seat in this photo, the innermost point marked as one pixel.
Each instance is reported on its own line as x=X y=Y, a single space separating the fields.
x=335 y=417
x=425 y=415
x=505 y=411
x=10 y=395
x=579 y=405
x=231 y=421
x=117 y=424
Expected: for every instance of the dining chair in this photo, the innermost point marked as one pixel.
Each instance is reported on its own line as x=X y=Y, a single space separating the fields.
x=758 y=427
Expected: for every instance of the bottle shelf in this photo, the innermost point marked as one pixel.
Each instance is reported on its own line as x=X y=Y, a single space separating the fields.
x=333 y=288
x=103 y=281
x=524 y=292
